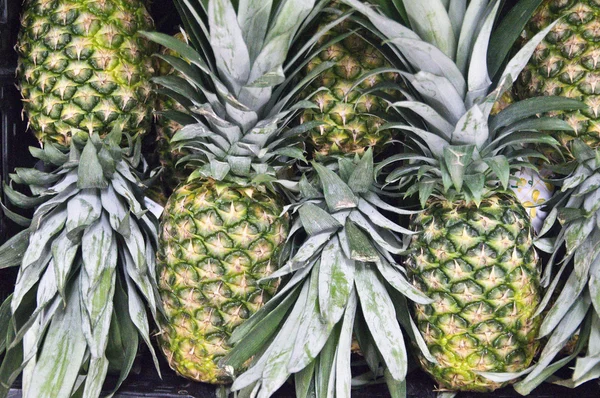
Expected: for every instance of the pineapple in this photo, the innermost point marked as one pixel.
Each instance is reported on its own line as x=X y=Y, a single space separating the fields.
x=223 y=230
x=565 y=63
x=350 y=118
x=82 y=66
x=473 y=253
x=479 y=265
x=217 y=240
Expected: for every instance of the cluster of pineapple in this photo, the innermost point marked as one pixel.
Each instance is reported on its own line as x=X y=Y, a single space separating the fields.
x=334 y=174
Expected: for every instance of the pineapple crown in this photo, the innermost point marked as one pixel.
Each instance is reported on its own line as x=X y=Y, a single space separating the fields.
x=236 y=87
x=86 y=263
x=453 y=70
x=572 y=272
x=345 y=261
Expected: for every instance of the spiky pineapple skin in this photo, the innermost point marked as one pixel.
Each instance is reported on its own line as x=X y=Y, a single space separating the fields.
x=567 y=63
x=480 y=268
x=82 y=66
x=350 y=118
x=217 y=240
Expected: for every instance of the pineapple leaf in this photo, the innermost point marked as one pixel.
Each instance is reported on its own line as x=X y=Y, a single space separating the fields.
x=336 y=279
x=518 y=62
x=376 y=306
x=361 y=248
x=343 y=379
x=436 y=28
x=5 y=321
x=179 y=86
x=434 y=120
x=456 y=159
x=478 y=79
x=127 y=332
x=50 y=227
x=286 y=22
x=398 y=281
x=36 y=177
x=559 y=338
x=89 y=172
x=473 y=16
x=577 y=232
x=63 y=252
x=82 y=211
x=57 y=368
x=501 y=168
x=260 y=333
x=396 y=388
x=179 y=47
x=404 y=316
x=525 y=138
x=521 y=110
x=338 y=195
x=375 y=217
x=361 y=178
x=313 y=331
x=471 y=129
x=307 y=190
x=304 y=379
x=303 y=256
x=376 y=201
x=456 y=13
x=316 y=220
x=20 y=200
x=439 y=93
x=435 y=143
x=291 y=152
x=568 y=299
x=508 y=31
x=253 y=18
x=476 y=185
x=325 y=372
x=13 y=250
x=137 y=312
x=49 y=154
x=271 y=367
x=379 y=236
x=422 y=55
x=366 y=343
x=244 y=329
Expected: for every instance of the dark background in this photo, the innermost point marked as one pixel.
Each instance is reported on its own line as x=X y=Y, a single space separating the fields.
x=144 y=382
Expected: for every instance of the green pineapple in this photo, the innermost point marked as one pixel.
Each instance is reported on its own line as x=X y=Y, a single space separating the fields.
x=82 y=66
x=473 y=253
x=566 y=63
x=351 y=118
x=212 y=256
x=479 y=265
x=223 y=230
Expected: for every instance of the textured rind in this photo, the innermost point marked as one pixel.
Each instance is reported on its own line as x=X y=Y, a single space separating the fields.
x=567 y=63
x=350 y=119
x=82 y=66
x=481 y=269
x=217 y=240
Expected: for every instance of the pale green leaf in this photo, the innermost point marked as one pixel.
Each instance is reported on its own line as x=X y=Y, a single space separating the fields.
x=336 y=279
x=337 y=194
x=378 y=310
x=316 y=220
